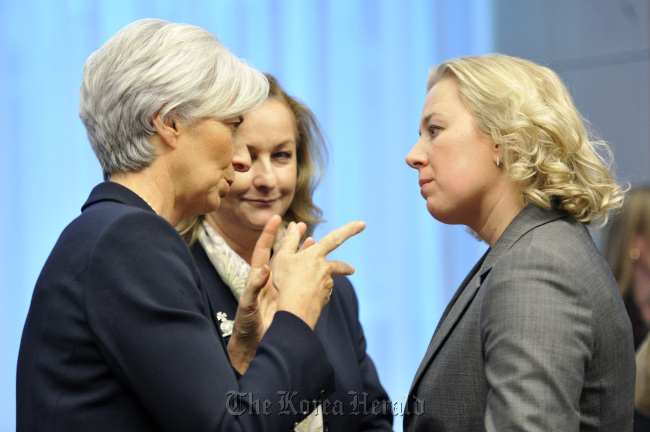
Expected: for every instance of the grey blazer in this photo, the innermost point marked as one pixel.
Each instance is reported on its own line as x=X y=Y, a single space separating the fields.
x=535 y=339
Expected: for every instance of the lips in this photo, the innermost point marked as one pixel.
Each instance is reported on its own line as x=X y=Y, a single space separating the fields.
x=261 y=201
x=425 y=181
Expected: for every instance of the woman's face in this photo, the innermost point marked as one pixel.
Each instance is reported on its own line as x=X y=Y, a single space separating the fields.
x=455 y=160
x=207 y=164
x=269 y=186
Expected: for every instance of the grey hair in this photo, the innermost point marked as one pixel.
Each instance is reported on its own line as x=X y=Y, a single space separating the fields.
x=153 y=66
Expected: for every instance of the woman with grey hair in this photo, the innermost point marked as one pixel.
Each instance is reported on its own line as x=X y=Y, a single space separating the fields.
x=121 y=334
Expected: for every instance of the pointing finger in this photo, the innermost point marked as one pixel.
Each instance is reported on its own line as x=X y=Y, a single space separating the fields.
x=337 y=237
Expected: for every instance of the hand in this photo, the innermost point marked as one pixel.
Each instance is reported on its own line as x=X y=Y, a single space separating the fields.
x=304 y=278
x=257 y=304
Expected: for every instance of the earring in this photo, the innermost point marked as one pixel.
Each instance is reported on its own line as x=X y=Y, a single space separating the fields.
x=635 y=253
x=498 y=162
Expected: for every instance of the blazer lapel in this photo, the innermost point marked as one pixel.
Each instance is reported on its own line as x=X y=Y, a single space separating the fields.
x=454 y=311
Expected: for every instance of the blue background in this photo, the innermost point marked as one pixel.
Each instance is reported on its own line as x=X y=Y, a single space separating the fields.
x=360 y=65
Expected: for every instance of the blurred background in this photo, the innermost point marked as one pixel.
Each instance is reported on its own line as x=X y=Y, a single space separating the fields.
x=361 y=65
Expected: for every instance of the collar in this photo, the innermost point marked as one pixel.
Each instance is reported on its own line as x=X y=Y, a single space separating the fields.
x=111 y=191
x=529 y=218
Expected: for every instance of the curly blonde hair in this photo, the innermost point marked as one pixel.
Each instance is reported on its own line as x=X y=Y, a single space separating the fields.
x=311 y=155
x=546 y=147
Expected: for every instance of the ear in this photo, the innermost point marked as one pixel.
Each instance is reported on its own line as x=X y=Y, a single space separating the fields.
x=497 y=154
x=168 y=132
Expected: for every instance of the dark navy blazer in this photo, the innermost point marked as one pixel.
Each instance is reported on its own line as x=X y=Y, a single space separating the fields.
x=120 y=336
x=360 y=403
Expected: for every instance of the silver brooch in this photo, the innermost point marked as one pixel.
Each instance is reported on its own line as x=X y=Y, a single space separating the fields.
x=225 y=324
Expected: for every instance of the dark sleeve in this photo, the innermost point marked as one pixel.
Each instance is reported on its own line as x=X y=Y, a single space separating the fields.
x=381 y=418
x=148 y=314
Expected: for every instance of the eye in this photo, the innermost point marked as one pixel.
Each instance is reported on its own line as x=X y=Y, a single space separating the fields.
x=433 y=130
x=282 y=156
x=234 y=124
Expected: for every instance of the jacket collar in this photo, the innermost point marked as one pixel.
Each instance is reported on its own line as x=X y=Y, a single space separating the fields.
x=529 y=218
x=111 y=191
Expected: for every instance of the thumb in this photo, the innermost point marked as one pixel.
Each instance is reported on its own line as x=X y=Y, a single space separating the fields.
x=257 y=279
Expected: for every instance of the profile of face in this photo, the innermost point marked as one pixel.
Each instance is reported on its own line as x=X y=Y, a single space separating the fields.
x=456 y=161
x=207 y=162
x=269 y=186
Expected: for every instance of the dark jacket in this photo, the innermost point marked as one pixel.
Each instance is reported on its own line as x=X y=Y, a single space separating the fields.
x=120 y=336
x=360 y=403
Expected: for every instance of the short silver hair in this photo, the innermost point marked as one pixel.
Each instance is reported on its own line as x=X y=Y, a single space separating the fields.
x=151 y=66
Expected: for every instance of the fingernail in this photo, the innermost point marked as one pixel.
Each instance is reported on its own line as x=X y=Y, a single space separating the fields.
x=291 y=227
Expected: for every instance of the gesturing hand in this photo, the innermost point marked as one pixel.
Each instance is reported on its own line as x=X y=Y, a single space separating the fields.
x=304 y=278
x=257 y=304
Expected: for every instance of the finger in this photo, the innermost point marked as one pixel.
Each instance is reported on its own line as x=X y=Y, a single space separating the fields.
x=257 y=279
x=302 y=227
x=292 y=237
x=309 y=242
x=338 y=268
x=264 y=244
x=336 y=238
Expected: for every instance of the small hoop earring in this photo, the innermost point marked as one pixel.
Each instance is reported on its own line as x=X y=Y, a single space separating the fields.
x=498 y=161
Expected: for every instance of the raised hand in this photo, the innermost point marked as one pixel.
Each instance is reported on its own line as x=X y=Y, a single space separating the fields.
x=304 y=278
x=258 y=303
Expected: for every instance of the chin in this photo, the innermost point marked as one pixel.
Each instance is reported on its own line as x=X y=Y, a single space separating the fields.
x=441 y=215
x=258 y=222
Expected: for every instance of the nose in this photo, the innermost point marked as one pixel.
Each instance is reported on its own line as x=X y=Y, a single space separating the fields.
x=241 y=158
x=264 y=176
x=417 y=157
x=229 y=174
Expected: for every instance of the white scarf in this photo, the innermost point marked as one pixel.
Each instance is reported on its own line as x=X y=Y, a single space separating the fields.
x=233 y=270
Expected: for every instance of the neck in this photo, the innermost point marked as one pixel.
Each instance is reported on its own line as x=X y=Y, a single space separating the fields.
x=153 y=188
x=240 y=239
x=494 y=220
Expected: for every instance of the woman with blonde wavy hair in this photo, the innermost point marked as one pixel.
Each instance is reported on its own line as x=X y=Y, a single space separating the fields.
x=536 y=337
x=287 y=149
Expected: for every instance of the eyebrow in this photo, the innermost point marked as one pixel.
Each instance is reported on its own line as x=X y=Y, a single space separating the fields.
x=285 y=143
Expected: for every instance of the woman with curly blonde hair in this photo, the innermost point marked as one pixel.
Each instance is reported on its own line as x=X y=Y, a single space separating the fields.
x=536 y=337
x=286 y=150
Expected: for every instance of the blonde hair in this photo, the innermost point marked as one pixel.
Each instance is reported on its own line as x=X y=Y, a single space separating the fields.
x=633 y=221
x=311 y=154
x=546 y=147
